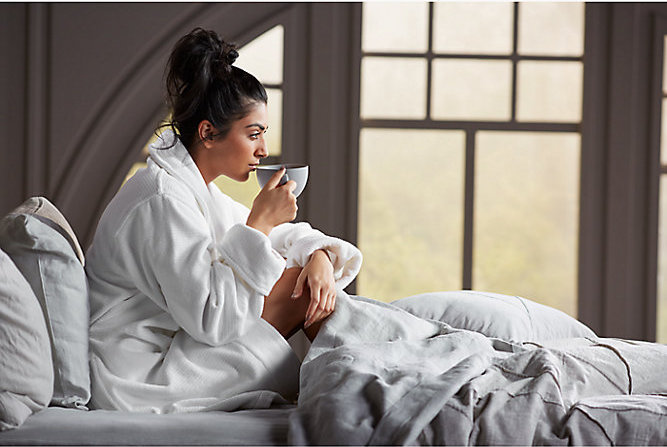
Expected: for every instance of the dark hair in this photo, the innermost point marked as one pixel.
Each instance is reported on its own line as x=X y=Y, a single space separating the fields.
x=202 y=84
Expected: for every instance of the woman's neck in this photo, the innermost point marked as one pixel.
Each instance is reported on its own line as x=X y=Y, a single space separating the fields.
x=200 y=159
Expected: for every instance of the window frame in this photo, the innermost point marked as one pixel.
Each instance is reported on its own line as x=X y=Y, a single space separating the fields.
x=471 y=127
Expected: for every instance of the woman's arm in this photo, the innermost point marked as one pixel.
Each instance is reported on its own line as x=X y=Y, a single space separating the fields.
x=215 y=293
x=297 y=242
x=317 y=276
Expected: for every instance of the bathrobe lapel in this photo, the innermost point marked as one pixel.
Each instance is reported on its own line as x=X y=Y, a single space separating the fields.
x=177 y=162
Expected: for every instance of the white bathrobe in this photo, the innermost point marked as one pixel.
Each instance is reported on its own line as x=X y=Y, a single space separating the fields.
x=177 y=286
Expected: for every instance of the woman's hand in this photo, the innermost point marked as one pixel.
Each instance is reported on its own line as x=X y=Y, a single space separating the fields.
x=318 y=276
x=274 y=205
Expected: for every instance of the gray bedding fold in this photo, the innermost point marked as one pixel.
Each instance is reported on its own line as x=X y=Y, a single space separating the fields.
x=378 y=375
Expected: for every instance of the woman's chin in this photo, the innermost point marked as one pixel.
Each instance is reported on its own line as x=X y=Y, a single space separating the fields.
x=241 y=177
x=237 y=176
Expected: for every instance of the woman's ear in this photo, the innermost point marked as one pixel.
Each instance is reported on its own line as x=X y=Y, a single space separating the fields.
x=206 y=131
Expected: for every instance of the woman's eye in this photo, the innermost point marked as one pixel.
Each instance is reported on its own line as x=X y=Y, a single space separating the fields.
x=254 y=136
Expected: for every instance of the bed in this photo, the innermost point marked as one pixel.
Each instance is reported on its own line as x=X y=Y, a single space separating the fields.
x=392 y=377
x=67 y=426
x=457 y=367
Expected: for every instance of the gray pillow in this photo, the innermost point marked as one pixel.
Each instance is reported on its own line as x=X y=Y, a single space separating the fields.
x=26 y=371
x=40 y=242
x=509 y=318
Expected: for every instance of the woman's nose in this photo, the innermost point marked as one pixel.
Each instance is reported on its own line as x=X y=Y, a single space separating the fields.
x=262 y=151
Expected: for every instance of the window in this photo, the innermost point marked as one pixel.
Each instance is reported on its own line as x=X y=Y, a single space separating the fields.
x=470 y=149
x=262 y=57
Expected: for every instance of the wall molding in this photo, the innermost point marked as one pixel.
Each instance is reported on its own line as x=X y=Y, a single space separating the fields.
x=37 y=123
x=142 y=65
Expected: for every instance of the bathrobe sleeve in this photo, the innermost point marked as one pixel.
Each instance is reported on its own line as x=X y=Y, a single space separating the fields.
x=297 y=241
x=214 y=293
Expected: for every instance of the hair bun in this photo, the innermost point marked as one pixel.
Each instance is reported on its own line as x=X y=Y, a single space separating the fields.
x=226 y=57
x=231 y=56
x=203 y=84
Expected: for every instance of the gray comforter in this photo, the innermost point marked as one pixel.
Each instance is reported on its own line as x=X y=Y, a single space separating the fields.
x=378 y=375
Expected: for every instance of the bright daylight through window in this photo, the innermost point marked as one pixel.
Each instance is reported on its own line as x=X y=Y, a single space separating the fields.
x=470 y=148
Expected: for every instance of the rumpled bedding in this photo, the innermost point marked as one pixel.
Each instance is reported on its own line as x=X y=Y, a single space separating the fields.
x=378 y=375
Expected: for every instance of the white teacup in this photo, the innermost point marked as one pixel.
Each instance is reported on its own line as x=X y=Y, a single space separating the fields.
x=296 y=172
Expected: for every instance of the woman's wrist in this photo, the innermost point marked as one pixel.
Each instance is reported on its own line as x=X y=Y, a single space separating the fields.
x=320 y=252
x=259 y=225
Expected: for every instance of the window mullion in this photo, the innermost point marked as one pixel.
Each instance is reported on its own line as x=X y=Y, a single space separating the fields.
x=429 y=61
x=515 y=38
x=469 y=205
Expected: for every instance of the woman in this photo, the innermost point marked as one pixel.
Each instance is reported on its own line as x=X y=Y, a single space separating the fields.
x=193 y=295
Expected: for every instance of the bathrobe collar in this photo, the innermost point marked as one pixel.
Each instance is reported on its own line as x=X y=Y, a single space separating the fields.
x=176 y=160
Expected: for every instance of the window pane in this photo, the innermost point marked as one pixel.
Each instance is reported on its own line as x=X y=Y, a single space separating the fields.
x=395 y=27
x=664 y=67
x=526 y=216
x=471 y=90
x=410 y=211
x=263 y=56
x=473 y=28
x=549 y=91
x=662 y=264
x=551 y=29
x=663 y=133
x=393 y=87
x=273 y=136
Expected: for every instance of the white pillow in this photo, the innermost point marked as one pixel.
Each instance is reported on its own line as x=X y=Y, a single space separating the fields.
x=26 y=371
x=509 y=318
x=35 y=237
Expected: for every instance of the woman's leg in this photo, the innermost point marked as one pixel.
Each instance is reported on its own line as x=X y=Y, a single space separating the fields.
x=287 y=315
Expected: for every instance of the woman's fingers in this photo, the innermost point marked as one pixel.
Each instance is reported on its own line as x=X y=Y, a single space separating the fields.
x=326 y=304
x=332 y=302
x=290 y=186
x=275 y=179
x=298 y=287
x=273 y=205
x=312 y=311
x=322 y=303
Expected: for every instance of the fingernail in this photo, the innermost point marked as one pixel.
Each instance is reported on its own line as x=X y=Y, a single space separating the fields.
x=307 y=325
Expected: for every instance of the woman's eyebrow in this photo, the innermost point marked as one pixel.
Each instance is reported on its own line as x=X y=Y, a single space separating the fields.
x=257 y=125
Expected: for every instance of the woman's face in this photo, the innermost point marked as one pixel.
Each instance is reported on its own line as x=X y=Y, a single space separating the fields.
x=239 y=152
